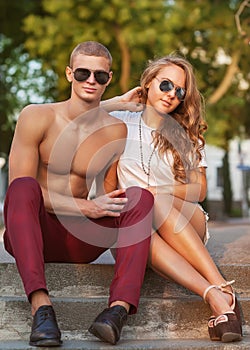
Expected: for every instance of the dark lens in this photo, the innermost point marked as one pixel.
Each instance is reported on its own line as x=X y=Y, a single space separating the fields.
x=101 y=77
x=180 y=93
x=81 y=74
x=166 y=85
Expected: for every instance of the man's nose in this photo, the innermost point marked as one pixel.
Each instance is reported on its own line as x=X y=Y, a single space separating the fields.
x=91 y=78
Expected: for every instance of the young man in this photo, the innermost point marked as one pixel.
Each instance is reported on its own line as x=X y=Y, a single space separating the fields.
x=58 y=150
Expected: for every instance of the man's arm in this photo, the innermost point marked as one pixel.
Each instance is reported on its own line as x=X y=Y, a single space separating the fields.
x=107 y=180
x=24 y=154
x=105 y=205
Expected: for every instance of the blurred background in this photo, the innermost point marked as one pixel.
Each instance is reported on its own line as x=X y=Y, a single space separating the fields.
x=37 y=36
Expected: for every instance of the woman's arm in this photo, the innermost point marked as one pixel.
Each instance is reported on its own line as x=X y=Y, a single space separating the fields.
x=130 y=101
x=194 y=191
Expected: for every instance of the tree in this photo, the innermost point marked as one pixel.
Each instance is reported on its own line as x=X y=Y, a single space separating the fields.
x=136 y=31
x=20 y=76
x=227 y=189
x=132 y=30
x=212 y=43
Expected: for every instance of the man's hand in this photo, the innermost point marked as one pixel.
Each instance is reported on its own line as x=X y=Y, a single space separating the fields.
x=106 y=205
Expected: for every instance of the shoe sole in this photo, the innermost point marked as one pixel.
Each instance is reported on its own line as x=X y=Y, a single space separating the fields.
x=103 y=331
x=231 y=337
x=46 y=342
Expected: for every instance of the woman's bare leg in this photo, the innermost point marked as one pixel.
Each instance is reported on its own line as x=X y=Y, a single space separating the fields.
x=182 y=229
x=169 y=264
x=165 y=261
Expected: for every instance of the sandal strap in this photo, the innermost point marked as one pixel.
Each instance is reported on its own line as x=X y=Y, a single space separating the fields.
x=224 y=285
x=207 y=290
x=221 y=287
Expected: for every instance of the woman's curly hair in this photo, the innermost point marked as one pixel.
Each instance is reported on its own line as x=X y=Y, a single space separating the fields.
x=181 y=136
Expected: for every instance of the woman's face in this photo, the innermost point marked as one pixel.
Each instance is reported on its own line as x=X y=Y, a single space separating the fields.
x=166 y=101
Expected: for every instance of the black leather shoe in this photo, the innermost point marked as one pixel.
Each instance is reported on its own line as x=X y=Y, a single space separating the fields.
x=108 y=325
x=45 y=331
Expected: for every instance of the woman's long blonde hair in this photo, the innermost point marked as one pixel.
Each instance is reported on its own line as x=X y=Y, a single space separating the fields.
x=182 y=131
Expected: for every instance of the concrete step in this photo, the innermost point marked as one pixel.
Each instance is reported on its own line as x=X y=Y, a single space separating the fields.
x=79 y=280
x=80 y=292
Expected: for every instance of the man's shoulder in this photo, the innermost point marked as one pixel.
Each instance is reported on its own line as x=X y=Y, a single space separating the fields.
x=40 y=112
x=114 y=126
x=119 y=123
x=39 y=107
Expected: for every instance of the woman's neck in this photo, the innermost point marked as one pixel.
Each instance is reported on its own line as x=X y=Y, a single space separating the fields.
x=152 y=119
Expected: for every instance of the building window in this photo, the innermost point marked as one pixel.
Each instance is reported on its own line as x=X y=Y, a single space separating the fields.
x=219 y=177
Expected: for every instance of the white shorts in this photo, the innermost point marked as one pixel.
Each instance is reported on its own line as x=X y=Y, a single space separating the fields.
x=207 y=235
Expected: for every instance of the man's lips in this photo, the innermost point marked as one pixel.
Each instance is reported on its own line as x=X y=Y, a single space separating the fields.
x=89 y=89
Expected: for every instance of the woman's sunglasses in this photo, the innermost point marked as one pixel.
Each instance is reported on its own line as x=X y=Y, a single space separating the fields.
x=168 y=85
x=82 y=74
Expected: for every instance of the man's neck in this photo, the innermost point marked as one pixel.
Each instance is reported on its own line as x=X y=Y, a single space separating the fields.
x=88 y=116
x=80 y=107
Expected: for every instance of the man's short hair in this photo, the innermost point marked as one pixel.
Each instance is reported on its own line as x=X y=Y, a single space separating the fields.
x=91 y=48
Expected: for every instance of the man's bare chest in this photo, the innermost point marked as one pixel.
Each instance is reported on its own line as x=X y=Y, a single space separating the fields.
x=75 y=151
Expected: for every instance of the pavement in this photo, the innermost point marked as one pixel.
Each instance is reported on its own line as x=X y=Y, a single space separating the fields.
x=229 y=243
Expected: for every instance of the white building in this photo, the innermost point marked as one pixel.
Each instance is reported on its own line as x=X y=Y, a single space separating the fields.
x=239 y=167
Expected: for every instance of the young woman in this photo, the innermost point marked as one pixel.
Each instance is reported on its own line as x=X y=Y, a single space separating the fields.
x=165 y=153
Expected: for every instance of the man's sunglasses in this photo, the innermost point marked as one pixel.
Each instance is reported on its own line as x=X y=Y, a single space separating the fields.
x=82 y=74
x=168 y=85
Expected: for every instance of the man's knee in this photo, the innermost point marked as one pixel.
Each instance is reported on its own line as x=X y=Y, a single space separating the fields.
x=140 y=198
x=23 y=187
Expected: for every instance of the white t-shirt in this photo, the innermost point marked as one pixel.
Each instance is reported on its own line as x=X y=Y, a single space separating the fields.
x=130 y=171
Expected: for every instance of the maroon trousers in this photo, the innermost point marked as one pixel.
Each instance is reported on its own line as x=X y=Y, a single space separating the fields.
x=34 y=236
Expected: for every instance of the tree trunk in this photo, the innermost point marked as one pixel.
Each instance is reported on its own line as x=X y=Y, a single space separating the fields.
x=227 y=190
x=125 y=61
x=226 y=81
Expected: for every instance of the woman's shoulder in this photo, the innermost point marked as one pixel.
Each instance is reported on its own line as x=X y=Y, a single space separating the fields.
x=127 y=116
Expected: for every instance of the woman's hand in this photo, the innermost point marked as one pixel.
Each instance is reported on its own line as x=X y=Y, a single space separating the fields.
x=129 y=101
x=133 y=95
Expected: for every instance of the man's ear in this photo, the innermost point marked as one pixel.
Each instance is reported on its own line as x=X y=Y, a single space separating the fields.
x=69 y=74
x=110 y=78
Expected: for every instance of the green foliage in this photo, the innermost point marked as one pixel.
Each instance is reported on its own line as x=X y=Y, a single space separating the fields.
x=136 y=29
x=224 y=120
x=22 y=82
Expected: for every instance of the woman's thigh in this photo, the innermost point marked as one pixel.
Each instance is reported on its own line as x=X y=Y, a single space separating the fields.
x=175 y=214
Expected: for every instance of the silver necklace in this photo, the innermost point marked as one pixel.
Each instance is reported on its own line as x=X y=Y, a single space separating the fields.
x=148 y=170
